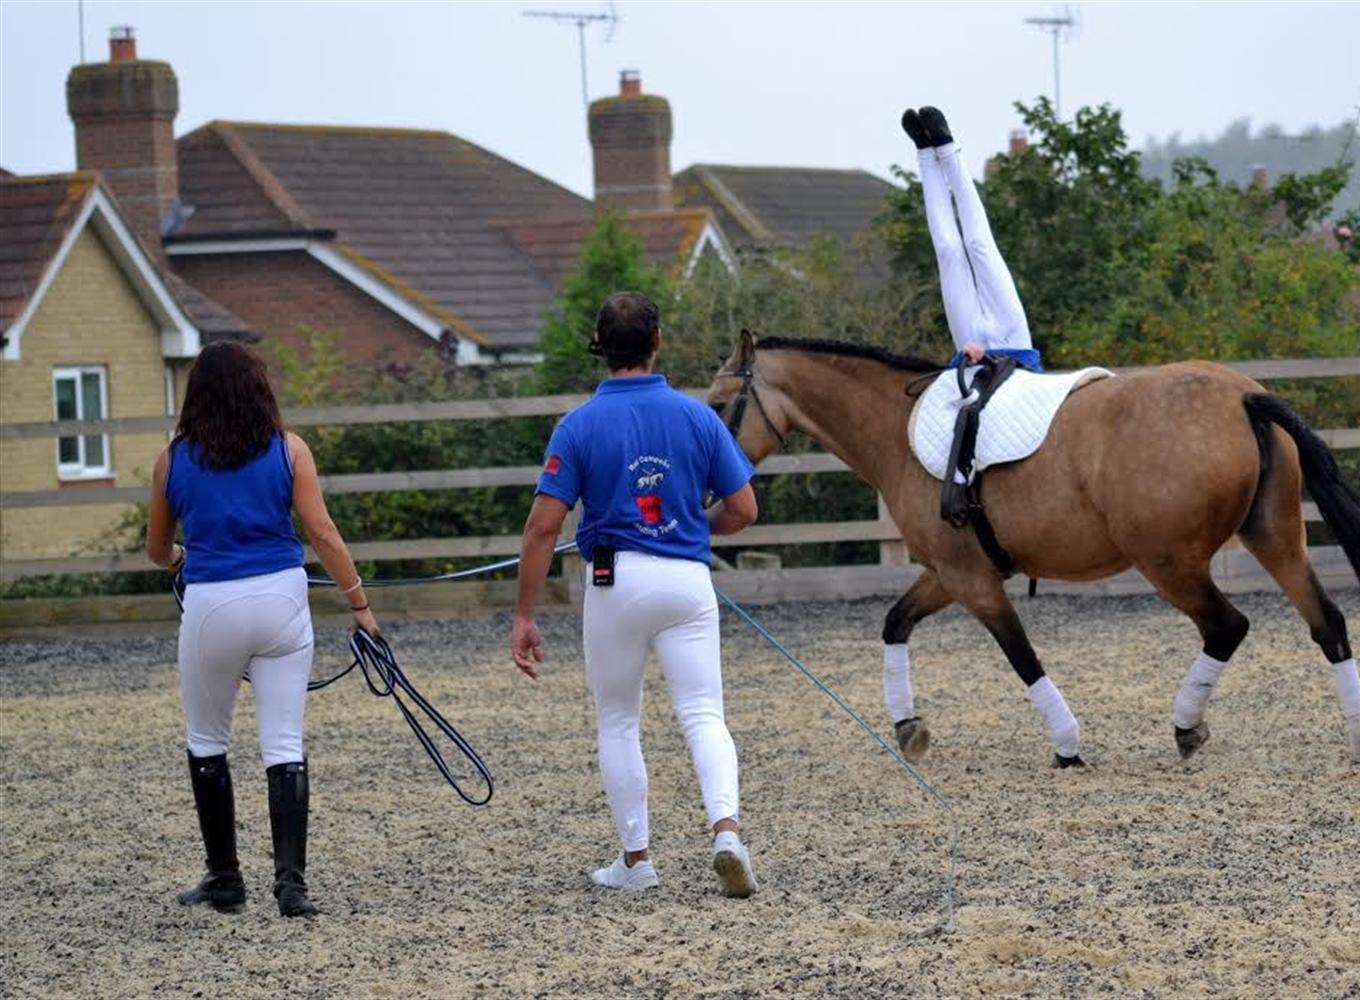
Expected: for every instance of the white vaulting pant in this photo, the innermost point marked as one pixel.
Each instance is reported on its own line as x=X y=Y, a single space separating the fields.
x=263 y=625
x=980 y=300
x=667 y=605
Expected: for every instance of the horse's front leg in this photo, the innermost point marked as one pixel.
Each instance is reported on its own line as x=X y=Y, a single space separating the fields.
x=980 y=590
x=923 y=598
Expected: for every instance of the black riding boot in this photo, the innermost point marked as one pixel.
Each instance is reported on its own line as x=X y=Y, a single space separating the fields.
x=288 y=821
x=222 y=888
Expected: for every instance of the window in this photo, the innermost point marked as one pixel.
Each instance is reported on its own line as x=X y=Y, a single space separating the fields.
x=81 y=394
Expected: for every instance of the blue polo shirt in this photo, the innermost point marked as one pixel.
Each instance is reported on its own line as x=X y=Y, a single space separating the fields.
x=641 y=456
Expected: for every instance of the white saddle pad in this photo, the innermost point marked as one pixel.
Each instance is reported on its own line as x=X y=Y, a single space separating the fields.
x=1012 y=426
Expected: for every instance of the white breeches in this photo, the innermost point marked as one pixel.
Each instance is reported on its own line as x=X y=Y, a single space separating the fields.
x=980 y=300
x=667 y=605
x=263 y=625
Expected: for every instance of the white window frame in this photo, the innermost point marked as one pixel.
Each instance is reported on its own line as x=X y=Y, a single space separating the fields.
x=74 y=471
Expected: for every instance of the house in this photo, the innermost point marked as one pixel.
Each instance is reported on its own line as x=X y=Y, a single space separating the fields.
x=392 y=239
x=93 y=327
x=766 y=208
x=399 y=241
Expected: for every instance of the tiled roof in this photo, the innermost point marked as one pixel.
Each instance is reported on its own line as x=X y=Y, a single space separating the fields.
x=783 y=206
x=418 y=205
x=668 y=239
x=36 y=214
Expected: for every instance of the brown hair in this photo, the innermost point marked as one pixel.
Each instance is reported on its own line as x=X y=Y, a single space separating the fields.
x=625 y=330
x=230 y=415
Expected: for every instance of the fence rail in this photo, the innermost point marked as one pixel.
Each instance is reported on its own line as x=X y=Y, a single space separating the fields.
x=552 y=406
x=880 y=530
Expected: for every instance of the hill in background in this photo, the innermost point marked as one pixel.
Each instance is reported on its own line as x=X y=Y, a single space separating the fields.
x=1234 y=153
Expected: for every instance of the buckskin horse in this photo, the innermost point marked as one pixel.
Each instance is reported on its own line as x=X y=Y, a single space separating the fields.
x=1154 y=470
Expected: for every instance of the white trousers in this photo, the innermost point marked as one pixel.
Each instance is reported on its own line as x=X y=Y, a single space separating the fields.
x=263 y=625
x=667 y=605
x=980 y=300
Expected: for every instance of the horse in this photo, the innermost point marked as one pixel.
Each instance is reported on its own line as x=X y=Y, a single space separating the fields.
x=1154 y=470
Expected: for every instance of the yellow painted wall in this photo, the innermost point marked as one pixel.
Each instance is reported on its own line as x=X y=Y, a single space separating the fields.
x=91 y=315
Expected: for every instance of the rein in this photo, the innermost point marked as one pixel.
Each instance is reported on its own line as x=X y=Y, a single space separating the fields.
x=745 y=395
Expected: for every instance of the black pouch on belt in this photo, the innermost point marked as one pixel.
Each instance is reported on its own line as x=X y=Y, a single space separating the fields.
x=602 y=570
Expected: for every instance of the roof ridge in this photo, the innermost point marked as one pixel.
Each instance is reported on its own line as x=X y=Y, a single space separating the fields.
x=264 y=178
x=753 y=167
x=321 y=127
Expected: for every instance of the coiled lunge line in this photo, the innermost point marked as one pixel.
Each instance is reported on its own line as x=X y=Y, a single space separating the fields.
x=374 y=658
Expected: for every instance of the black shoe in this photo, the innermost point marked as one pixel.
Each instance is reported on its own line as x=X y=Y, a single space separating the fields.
x=911 y=124
x=936 y=127
x=225 y=892
x=288 y=803
x=222 y=888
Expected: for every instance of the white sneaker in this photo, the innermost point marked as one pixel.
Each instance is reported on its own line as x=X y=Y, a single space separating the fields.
x=619 y=876
x=732 y=862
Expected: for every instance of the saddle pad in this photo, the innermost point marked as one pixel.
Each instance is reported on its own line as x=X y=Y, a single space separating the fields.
x=1011 y=427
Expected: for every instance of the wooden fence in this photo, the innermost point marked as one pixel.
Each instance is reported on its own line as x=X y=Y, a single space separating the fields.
x=1234 y=568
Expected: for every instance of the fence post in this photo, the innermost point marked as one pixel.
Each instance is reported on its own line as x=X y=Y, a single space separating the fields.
x=890 y=553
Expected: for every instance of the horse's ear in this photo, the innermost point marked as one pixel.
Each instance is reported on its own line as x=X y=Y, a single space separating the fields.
x=746 y=348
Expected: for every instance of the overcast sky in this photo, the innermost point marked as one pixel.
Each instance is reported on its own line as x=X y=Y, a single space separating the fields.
x=797 y=84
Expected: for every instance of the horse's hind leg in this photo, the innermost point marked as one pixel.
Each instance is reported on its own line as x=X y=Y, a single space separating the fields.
x=923 y=598
x=1189 y=587
x=1273 y=533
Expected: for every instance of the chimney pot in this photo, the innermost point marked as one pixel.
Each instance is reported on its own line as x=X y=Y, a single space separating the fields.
x=630 y=83
x=122 y=44
x=1260 y=176
x=1019 y=142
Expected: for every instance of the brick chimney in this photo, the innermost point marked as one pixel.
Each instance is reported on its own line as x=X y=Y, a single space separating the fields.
x=1260 y=177
x=1019 y=142
x=630 y=136
x=124 y=113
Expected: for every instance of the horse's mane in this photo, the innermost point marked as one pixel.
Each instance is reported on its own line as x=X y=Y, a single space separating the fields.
x=846 y=349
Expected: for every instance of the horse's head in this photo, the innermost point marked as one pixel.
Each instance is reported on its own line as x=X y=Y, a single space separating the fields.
x=756 y=413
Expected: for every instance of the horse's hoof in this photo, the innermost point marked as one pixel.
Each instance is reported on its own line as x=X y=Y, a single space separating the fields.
x=1190 y=740
x=1062 y=763
x=913 y=738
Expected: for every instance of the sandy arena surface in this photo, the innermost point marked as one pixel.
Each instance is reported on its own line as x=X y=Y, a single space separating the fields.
x=1236 y=874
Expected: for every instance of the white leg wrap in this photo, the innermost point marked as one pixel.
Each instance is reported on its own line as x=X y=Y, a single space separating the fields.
x=1187 y=710
x=1062 y=724
x=1348 y=691
x=897 y=693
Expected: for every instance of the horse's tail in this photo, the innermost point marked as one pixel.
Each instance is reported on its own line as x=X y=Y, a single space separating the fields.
x=1336 y=500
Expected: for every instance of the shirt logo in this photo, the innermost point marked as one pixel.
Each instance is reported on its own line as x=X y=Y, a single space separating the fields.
x=646 y=475
x=553 y=466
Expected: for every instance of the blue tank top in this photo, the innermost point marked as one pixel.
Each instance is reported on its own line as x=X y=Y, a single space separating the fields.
x=237 y=522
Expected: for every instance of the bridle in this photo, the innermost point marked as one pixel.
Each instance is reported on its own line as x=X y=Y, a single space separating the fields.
x=745 y=395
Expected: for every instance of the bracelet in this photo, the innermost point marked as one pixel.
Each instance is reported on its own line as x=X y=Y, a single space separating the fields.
x=358 y=582
x=361 y=607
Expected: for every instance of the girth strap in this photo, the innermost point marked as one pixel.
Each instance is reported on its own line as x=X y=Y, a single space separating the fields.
x=955 y=498
x=960 y=503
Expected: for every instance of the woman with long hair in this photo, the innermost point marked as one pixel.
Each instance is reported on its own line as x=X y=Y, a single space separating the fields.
x=232 y=477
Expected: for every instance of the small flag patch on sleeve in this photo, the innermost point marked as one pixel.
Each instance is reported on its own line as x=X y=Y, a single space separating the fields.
x=553 y=465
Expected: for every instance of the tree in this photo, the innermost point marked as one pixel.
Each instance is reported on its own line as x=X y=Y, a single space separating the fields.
x=1115 y=269
x=611 y=261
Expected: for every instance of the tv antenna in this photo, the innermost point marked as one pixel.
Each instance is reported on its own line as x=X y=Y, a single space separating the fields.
x=582 y=20
x=1062 y=24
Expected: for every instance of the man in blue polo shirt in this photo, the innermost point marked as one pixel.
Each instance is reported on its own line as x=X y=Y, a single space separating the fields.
x=641 y=457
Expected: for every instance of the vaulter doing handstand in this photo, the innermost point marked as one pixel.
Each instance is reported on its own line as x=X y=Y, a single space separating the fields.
x=980 y=302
